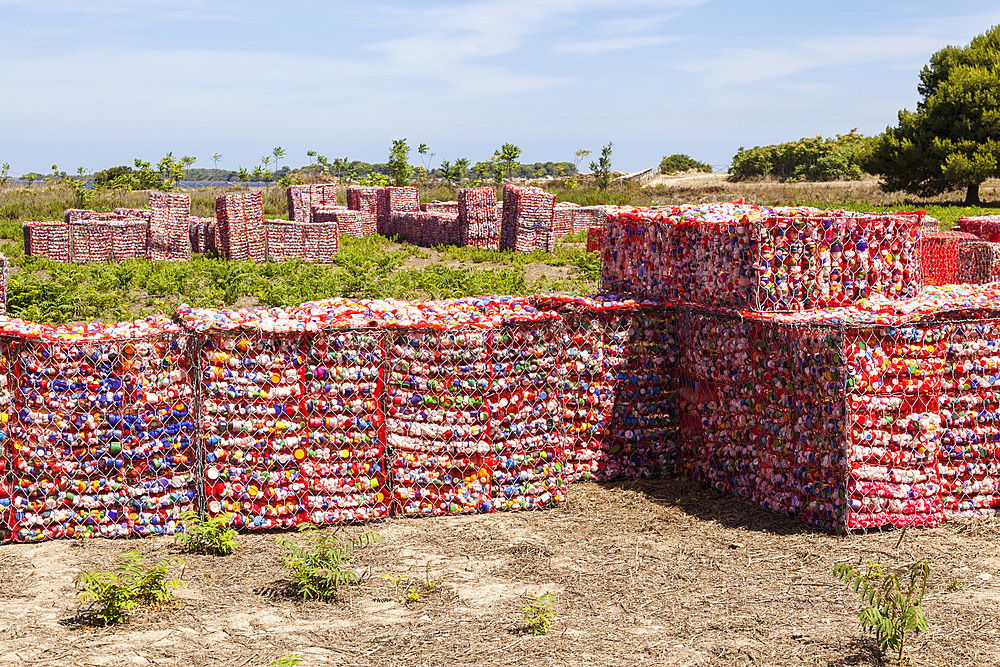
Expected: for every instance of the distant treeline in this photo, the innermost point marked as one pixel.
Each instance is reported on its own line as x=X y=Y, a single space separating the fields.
x=354 y=169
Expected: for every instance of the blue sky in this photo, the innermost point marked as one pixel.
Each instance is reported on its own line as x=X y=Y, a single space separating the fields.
x=95 y=83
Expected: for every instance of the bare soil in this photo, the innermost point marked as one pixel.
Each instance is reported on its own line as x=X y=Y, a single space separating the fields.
x=659 y=572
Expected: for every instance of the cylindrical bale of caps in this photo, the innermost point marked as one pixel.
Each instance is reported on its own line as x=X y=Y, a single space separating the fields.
x=169 y=240
x=978 y=262
x=240 y=217
x=478 y=221
x=939 y=256
x=103 y=430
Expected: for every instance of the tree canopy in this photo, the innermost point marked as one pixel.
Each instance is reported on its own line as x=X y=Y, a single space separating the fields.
x=952 y=140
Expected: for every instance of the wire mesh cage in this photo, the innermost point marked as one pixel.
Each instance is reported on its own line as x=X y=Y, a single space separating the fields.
x=524 y=406
x=772 y=260
x=169 y=237
x=102 y=435
x=438 y=421
x=292 y=426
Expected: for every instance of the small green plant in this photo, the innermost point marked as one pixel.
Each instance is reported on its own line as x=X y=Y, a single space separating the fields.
x=318 y=566
x=124 y=589
x=954 y=585
x=208 y=536
x=891 y=612
x=413 y=595
x=539 y=615
x=290 y=660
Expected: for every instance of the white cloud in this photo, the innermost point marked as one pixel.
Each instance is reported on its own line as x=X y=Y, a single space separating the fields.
x=599 y=46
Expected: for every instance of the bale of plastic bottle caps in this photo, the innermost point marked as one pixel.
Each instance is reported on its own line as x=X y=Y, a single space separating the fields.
x=595 y=239
x=978 y=262
x=478 y=221
x=291 y=423
x=240 y=221
x=198 y=230
x=47 y=238
x=356 y=224
x=426 y=229
x=285 y=240
x=448 y=207
x=760 y=258
x=562 y=218
x=134 y=213
x=939 y=256
x=101 y=434
x=393 y=200
x=366 y=199
x=527 y=219
x=986 y=227
x=617 y=386
x=587 y=217
x=169 y=239
x=4 y=275
x=302 y=198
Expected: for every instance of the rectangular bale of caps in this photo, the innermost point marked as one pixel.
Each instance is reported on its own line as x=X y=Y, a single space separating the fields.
x=169 y=238
x=302 y=197
x=782 y=259
x=478 y=221
x=240 y=219
x=939 y=256
x=353 y=223
x=527 y=219
x=978 y=262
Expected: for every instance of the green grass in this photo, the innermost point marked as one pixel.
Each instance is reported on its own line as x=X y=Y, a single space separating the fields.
x=373 y=267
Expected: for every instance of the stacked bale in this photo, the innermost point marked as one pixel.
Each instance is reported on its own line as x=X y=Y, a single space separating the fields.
x=527 y=219
x=302 y=199
x=477 y=218
x=102 y=431
x=393 y=200
x=240 y=221
x=978 y=262
x=169 y=239
x=939 y=256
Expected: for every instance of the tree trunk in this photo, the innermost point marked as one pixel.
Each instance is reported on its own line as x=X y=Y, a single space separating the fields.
x=972 y=195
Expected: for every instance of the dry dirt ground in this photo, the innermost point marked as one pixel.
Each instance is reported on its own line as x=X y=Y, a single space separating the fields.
x=661 y=572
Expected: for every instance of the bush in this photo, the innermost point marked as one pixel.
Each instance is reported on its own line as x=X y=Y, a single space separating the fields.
x=124 y=589
x=539 y=615
x=211 y=536
x=318 y=567
x=672 y=164
x=808 y=159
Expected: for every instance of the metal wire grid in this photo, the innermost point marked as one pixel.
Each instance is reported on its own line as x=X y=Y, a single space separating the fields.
x=101 y=437
x=293 y=427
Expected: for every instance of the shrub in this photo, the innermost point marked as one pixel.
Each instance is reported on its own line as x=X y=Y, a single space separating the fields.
x=318 y=567
x=890 y=612
x=124 y=589
x=809 y=159
x=539 y=615
x=211 y=536
x=672 y=164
